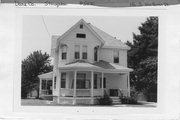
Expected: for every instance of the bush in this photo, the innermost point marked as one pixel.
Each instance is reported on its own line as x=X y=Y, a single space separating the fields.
x=128 y=100
x=105 y=100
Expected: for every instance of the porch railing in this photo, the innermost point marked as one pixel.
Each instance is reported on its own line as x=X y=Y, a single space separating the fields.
x=80 y=92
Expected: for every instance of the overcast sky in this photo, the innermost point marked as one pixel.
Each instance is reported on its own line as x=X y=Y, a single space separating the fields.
x=37 y=37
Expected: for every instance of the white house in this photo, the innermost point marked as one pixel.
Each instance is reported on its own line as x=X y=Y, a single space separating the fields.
x=88 y=63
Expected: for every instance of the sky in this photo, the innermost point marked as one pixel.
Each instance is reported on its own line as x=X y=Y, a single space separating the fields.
x=37 y=30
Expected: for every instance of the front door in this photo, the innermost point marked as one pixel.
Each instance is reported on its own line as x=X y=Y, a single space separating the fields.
x=113 y=92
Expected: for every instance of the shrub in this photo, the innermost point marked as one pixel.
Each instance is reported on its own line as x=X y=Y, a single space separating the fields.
x=105 y=100
x=128 y=100
x=134 y=93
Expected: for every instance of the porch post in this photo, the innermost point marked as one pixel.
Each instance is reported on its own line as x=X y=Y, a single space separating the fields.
x=92 y=87
x=128 y=84
x=58 y=84
x=102 y=83
x=40 y=87
x=74 y=94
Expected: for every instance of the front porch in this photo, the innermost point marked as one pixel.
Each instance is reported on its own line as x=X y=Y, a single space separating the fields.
x=83 y=86
x=81 y=82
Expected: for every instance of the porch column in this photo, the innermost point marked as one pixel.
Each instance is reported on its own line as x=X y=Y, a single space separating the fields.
x=92 y=87
x=58 y=84
x=128 y=84
x=102 y=83
x=74 y=94
x=40 y=86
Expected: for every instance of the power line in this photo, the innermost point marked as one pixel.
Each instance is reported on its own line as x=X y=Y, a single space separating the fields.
x=45 y=26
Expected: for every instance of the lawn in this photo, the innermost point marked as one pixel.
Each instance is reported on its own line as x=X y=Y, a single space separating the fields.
x=37 y=102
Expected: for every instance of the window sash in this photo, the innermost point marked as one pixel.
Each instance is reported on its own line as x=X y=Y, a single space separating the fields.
x=63 y=80
x=77 y=55
x=95 y=54
x=116 y=59
x=80 y=35
x=81 y=26
x=64 y=56
x=84 y=55
x=116 y=56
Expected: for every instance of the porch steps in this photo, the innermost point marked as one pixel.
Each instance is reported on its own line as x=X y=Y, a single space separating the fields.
x=115 y=100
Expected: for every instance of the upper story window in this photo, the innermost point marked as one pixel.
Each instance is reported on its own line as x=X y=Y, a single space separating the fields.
x=95 y=54
x=77 y=52
x=64 y=53
x=81 y=26
x=84 y=52
x=80 y=35
x=116 y=56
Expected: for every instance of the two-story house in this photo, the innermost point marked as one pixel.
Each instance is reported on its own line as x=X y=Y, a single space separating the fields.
x=88 y=63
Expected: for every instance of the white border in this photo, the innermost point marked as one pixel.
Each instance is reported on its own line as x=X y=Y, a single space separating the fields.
x=162 y=109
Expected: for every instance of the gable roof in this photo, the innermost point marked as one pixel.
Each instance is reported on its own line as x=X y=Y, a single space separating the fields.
x=74 y=26
x=110 y=42
x=107 y=40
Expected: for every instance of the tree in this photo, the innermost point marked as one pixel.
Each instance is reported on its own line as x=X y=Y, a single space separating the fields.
x=143 y=57
x=35 y=64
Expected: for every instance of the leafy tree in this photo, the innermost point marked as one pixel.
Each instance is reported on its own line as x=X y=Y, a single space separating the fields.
x=35 y=64
x=143 y=57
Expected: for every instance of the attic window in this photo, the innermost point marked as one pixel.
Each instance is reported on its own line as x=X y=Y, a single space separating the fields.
x=80 y=35
x=81 y=26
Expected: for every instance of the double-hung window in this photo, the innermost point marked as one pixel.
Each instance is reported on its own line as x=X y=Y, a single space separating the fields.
x=81 y=80
x=77 y=52
x=63 y=80
x=84 y=52
x=116 y=56
x=64 y=52
x=95 y=54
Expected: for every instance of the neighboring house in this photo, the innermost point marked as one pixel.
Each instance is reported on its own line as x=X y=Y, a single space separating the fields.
x=88 y=63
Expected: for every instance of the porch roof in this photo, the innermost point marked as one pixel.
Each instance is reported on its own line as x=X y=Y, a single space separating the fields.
x=79 y=64
x=48 y=75
x=112 y=67
x=101 y=66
